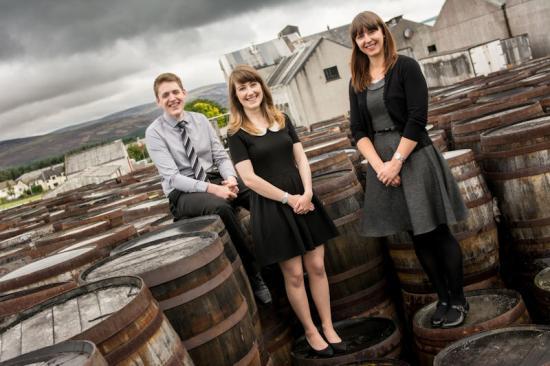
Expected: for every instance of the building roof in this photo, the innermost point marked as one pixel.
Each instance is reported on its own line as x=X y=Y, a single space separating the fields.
x=6 y=183
x=497 y=2
x=338 y=35
x=44 y=174
x=290 y=65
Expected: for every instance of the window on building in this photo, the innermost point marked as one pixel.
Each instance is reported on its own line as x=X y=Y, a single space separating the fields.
x=332 y=73
x=432 y=48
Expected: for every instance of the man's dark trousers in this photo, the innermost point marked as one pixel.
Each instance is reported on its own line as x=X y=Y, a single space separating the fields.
x=187 y=205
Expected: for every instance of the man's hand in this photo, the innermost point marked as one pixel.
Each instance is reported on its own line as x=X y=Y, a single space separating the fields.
x=232 y=184
x=222 y=191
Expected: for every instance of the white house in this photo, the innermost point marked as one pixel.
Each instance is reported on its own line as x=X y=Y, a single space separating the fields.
x=311 y=84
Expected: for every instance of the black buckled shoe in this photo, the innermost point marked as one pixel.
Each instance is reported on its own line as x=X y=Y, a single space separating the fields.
x=260 y=289
x=456 y=315
x=438 y=317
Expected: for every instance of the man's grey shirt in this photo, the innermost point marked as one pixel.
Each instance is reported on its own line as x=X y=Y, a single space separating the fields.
x=165 y=146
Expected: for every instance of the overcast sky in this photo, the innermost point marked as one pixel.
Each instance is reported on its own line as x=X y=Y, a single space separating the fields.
x=63 y=62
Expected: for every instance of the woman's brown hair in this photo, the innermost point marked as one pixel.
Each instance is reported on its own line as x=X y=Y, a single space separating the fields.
x=363 y=22
x=243 y=74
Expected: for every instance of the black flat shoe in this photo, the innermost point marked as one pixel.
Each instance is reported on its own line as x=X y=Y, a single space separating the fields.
x=339 y=348
x=438 y=317
x=456 y=315
x=324 y=353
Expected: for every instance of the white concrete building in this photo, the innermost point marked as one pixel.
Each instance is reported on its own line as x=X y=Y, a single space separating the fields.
x=311 y=85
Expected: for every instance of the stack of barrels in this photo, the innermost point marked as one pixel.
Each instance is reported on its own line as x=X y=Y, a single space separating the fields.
x=105 y=262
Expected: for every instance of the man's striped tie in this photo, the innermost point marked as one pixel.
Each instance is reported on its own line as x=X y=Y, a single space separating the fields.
x=198 y=170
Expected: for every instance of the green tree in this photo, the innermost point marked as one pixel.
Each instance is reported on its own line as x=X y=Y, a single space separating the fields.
x=36 y=188
x=209 y=108
x=137 y=151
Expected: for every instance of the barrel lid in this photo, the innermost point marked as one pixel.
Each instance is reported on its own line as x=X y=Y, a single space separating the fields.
x=74 y=313
x=160 y=260
x=122 y=232
x=199 y=223
x=360 y=335
x=542 y=279
x=496 y=119
x=46 y=263
x=512 y=346
x=147 y=204
x=530 y=129
x=458 y=157
x=484 y=304
x=68 y=353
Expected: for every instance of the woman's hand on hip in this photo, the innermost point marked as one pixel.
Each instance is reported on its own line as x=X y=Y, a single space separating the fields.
x=389 y=171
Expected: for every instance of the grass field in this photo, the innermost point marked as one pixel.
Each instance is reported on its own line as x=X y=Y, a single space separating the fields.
x=22 y=201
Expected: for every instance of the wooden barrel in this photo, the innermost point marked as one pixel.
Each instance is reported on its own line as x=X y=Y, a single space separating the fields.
x=325 y=147
x=147 y=208
x=521 y=345
x=322 y=138
x=439 y=139
x=147 y=224
x=378 y=362
x=329 y=162
x=466 y=133
x=517 y=163
x=118 y=314
x=278 y=321
x=412 y=302
x=477 y=235
x=106 y=241
x=61 y=267
x=60 y=239
x=208 y=223
x=194 y=283
x=489 y=309
x=542 y=294
x=14 y=302
x=354 y=264
x=113 y=216
x=365 y=337
x=68 y=353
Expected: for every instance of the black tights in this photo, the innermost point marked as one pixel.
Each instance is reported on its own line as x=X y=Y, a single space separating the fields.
x=441 y=257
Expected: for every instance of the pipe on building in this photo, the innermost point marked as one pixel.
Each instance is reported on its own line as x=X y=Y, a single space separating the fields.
x=505 y=13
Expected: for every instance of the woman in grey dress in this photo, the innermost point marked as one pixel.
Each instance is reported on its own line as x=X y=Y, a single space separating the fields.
x=409 y=185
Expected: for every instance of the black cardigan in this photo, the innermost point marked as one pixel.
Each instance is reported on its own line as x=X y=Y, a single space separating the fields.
x=406 y=99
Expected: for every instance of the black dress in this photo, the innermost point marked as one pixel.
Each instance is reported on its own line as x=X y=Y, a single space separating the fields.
x=278 y=233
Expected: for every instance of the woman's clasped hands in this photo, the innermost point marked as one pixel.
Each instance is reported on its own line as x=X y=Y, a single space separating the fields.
x=301 y=204
x=388 y=174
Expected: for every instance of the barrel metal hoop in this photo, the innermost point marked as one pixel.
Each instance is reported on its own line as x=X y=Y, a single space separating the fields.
x=183 y=266
x=198 y=291
x=356 y=271
x=530 y=223
x=488 y=155
x=249 y=357
x=133 y=345
x=520 y=173
x=218 y=329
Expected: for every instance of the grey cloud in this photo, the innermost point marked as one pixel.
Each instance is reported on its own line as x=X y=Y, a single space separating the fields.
x=57 y=27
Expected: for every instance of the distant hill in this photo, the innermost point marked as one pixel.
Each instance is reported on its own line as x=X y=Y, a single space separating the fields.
x=126 y=123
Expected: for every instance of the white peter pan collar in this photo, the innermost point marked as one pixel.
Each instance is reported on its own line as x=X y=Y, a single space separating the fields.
x=262 y=131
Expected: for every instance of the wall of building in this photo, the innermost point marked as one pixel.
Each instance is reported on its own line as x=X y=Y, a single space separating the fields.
x=531 y=17
x=419 y=41
x=322 y=100
x=447 y=69
x=112 y=154
x=466 y=23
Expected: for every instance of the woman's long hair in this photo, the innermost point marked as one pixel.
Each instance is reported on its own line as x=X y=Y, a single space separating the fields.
x=243 y=74
x=368 y=21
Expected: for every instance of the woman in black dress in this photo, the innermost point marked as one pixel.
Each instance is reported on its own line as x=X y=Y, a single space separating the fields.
x=409 y=185
x=288 y=222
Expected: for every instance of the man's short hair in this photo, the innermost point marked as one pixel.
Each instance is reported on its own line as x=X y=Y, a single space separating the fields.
x=165 y=78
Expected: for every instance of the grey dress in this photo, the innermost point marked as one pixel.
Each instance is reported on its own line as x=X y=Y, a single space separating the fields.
x=428 y=195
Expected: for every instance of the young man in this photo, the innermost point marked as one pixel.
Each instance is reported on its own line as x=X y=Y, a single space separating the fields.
x=197 y=174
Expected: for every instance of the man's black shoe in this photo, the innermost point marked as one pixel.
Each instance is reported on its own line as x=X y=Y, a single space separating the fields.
x=260 y=289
